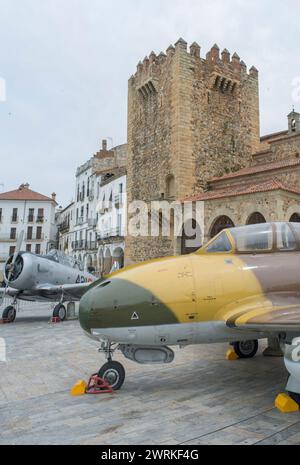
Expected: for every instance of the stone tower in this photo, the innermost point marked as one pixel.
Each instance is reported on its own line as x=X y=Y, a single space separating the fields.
x=189 y=119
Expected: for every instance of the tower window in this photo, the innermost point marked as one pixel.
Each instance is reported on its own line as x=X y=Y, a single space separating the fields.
x=170 y=185
x=293 y=125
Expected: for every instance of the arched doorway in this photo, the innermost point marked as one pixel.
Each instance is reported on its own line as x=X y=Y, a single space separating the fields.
x=191 y=239
x=220 y=223
x=107 y=262
x=295 y=218
x=256 y=218
x=118 y=258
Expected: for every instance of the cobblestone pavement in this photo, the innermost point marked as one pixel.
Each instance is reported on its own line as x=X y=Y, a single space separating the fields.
x=199 y=399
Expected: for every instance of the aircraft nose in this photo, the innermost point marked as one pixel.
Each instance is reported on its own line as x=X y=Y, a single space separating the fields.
x=120 y=303
x=85 y=308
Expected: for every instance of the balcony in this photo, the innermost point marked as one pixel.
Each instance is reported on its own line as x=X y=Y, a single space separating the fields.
x=40 y=219
x=34 y=238
x=91 y=245
x=92 y=222
x=14 y=219
x=64 y=227
x=80 y=221
x=79 y=245
x=30 y=219
x=110 y=232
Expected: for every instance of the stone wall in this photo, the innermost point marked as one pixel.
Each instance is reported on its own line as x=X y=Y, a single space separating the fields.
x=189 y=118
x=274 y=206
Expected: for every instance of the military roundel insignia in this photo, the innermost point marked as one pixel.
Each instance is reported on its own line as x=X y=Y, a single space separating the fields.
x=135 y=316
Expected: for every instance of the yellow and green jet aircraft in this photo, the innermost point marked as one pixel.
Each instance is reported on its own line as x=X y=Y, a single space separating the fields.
x=242 y=286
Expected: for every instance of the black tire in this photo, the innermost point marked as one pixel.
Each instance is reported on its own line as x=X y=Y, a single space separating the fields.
x=295 y=396
x=246 y=349
x=60 y=312
x=9 y=313
x=113 y=373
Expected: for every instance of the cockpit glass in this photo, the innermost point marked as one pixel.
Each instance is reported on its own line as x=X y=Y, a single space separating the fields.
x=285 y=237
x=66 y=260
x=253 y=238
x=219 y=244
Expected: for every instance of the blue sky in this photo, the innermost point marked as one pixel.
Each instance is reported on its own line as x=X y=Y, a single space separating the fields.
x=66 y=64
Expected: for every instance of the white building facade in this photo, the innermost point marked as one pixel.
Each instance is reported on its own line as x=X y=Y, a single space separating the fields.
x=31 y=212
x=65 y=227
x=112 y=220
x=85 y=234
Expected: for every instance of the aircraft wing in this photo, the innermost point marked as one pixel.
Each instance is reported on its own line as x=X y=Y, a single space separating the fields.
x=69 y=291
x=50 y=293
x=270 y=313
x=9 y=292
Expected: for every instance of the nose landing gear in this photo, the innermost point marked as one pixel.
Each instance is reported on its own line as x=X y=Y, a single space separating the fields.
x=112 y=372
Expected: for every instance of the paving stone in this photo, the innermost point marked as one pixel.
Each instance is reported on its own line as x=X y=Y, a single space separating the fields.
x=199 y=399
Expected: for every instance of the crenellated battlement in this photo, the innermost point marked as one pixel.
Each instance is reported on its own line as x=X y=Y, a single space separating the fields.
x=190 y=117
x=221 y=65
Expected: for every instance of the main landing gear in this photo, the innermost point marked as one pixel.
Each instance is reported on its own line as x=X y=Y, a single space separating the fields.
x=246 y=349
x=112 y=372
x=60 y=312
x=9 y=314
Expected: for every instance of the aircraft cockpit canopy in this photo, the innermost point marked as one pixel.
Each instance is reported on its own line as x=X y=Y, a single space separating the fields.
x=60 y=257
x=257 y=238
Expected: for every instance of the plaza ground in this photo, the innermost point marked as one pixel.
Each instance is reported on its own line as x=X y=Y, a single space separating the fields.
x=199 y=399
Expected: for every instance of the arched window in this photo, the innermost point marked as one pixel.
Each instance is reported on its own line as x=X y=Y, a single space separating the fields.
x=170 y=186
x=295 y=218
x=256 y=218
x=220 y=223
x=107 y=262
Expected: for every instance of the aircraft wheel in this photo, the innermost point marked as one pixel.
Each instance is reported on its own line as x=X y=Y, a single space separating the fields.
x=60 y=312
x=246 y=349
x=113 y=373
x=295 y=396
x=9 y=313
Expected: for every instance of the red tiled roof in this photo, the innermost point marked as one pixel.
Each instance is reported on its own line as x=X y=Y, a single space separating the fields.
x=274 y=134
x=262 y=152
x=259 y=169
x=24 y=193
x=270 y=185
